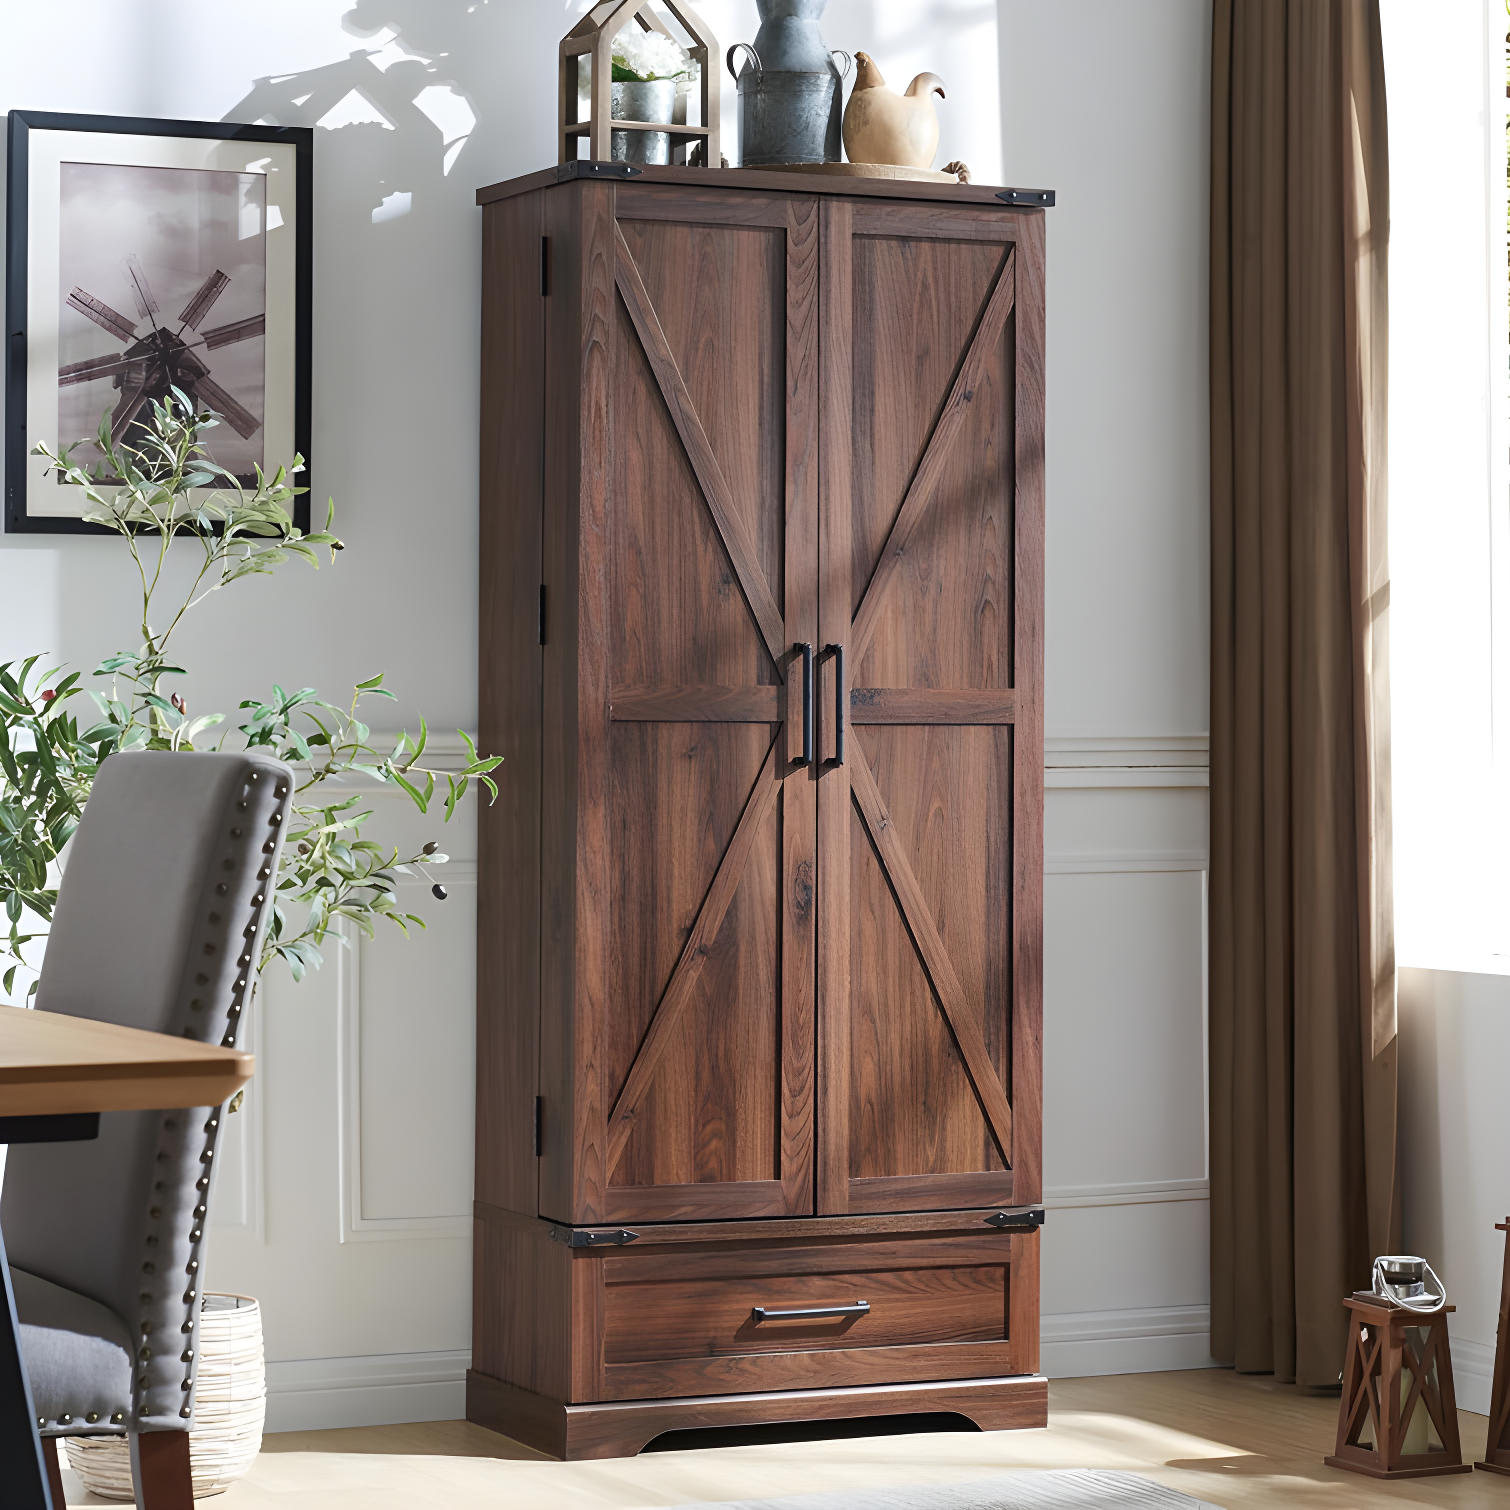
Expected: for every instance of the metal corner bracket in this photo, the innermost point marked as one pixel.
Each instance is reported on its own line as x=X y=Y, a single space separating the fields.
x=1025 y=1219
x=585 y=1237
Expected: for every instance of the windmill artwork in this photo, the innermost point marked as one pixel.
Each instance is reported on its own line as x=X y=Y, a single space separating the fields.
x=163 y=286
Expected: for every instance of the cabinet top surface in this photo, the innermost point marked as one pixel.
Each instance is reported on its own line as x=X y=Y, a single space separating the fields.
x=755 y=180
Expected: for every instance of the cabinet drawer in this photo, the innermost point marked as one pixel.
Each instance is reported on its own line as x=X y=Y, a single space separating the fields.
x=700 y=1321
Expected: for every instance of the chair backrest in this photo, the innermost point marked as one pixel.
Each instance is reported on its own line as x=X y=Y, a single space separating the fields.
x=164 y=900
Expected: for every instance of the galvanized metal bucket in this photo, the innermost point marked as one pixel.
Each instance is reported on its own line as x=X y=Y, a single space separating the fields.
x=652 y=101
x=791 y=92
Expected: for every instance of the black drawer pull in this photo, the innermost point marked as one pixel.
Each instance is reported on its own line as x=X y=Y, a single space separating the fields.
x=841 y=703
x=858 y=1308
x=806 y=650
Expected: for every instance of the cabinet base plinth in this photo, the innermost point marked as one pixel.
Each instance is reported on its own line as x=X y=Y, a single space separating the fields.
x=620 y=1428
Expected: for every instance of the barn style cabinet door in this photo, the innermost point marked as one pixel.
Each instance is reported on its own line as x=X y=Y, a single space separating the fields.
x=678 y=949
x=930 y=793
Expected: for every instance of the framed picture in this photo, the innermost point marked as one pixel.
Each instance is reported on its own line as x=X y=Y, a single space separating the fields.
x=143 y=255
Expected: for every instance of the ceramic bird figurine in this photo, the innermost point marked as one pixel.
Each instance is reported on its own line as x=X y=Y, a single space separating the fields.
x=881 y=126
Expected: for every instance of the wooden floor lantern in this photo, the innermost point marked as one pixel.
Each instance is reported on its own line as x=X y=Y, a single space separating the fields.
x=1397 y=1393
x=1497 y=1453
x=592 y=38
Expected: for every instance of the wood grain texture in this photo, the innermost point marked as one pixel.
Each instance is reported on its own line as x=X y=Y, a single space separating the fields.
x=728 y=517
x=707 y=1101
x=923 y=320
x=799 y=787
x=51 y=1064
x=705 y=1200
x=1022 y=1299
x=700 y=942
x=803 y=1228
x=521 y=1414
x=743 y=181
x=722 y=1120
x=942 y=222
x=1027 y=732
x=731 y=1257
x=621 y=1428
x=962 y=1015
x=698 y=1317
x=930 y=469
x=800 y=1369
x=705 y=206
x=929 y=705
x=510 y=496
x=835 y=481
x=680 y=705
x=906 y=1192
x=521 y=1303
x=788 y=1013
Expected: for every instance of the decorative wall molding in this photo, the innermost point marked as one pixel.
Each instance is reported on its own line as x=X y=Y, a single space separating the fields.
x=355 y=1227
x=1128 y=1194
x=242 y=1150
x=1472 y=1371
x=1077 y=1344
x=443 y=752
x=385 y=1389
x=1127 y=760
x=1111 y=1326
x=1119 y=861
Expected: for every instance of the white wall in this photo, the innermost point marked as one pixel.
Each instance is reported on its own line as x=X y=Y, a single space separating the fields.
x=1450 y=673
x=1108 y=104
x=1454 y=1130
x=347 y=1179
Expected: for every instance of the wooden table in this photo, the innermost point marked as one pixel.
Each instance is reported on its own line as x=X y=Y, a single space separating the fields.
x=57 y=1074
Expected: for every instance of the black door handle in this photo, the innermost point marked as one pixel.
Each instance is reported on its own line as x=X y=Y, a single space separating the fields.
x=807 y=703
x=841 y=700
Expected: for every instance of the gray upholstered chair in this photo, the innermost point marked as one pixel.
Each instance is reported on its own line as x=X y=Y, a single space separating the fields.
x=165 y=897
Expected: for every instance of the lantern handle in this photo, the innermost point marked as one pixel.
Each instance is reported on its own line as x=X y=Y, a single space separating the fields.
x=729 y=60
x=849 y=62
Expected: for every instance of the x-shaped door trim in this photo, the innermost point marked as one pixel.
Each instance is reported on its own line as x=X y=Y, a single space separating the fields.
x=930 y=468
x=727 y=519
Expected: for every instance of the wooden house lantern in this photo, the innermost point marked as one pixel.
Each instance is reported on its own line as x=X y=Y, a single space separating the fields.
x=592 y=37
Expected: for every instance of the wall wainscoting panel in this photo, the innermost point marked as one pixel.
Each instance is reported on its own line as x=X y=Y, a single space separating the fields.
x=240 y=1204
x=318 y=1394
x=406 y=1020
x=1472 y=1371
x=1126 y=1286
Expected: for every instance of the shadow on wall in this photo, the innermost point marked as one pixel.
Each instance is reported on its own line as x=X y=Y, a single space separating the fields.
x=402 y=111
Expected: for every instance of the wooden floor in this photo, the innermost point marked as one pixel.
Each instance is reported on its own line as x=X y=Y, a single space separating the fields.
x=1236 y=1441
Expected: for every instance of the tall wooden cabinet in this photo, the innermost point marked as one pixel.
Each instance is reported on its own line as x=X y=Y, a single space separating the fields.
x=762 y=643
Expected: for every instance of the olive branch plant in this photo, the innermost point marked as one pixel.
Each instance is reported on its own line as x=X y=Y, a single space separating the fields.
x=49 y=754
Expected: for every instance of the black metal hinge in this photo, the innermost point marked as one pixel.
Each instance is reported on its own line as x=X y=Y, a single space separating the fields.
x=1042 y=197
x=539 y=1125
x=582 y=1237
x=542 y=613
x=1027 y=1219
x=582 y=169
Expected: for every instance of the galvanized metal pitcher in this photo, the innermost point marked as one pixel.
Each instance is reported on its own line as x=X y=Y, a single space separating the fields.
x=790 y=90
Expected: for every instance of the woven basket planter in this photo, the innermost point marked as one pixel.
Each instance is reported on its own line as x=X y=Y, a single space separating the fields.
x=230 y=1402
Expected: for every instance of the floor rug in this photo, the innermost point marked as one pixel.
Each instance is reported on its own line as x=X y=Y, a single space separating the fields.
x=1067 y=1489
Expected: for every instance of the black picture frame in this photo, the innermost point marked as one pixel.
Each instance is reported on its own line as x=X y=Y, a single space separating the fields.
x=22 y=124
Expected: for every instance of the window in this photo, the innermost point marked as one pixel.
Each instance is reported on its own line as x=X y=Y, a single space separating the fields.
x=1446 y=81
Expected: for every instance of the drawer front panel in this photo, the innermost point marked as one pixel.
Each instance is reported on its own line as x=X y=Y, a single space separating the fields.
x=715 y=1317
x=684 y=1323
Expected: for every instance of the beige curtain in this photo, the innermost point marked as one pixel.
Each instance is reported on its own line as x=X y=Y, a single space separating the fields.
x=1304 y=1187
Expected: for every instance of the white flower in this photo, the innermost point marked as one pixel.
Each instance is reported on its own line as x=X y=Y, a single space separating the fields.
x=650 y=54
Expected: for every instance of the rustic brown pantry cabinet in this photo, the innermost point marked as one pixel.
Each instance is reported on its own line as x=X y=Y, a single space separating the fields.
x=758 y=1098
